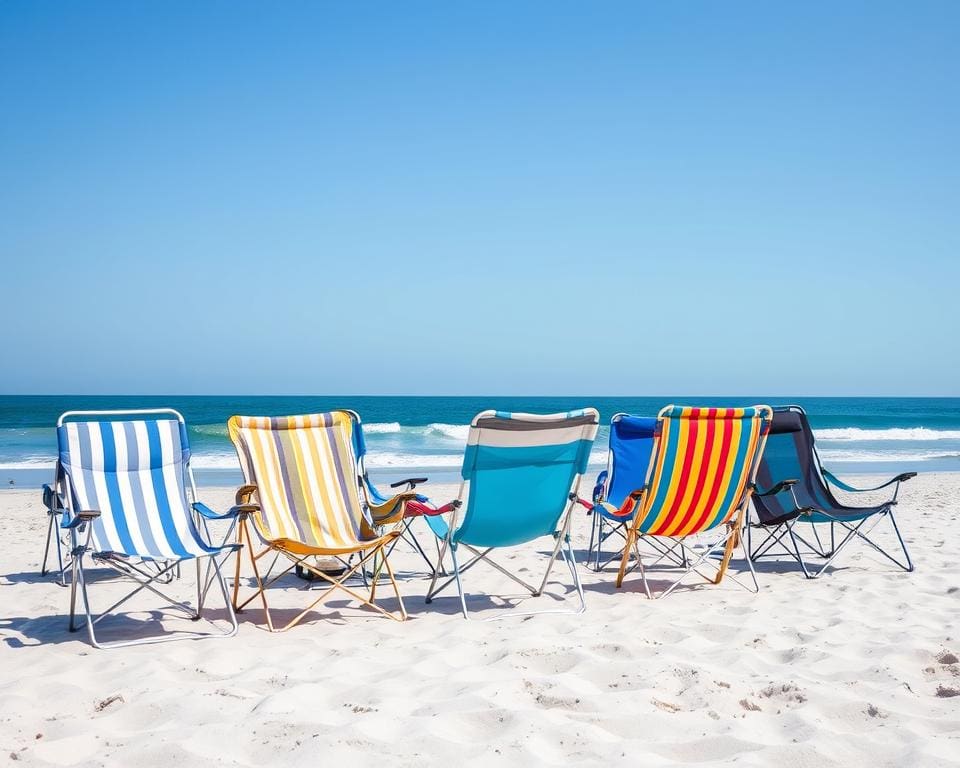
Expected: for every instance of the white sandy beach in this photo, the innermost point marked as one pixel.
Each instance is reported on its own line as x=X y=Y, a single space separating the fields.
x=858 y=668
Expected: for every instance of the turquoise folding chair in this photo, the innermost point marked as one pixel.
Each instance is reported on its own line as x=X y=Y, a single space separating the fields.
x=523 y=472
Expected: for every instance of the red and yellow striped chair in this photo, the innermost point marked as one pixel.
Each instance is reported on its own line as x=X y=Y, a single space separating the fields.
x=700 y=480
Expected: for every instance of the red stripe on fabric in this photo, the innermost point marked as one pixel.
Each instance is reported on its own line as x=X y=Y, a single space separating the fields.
x=704 y=467
x=684 y=477
x=722 y=461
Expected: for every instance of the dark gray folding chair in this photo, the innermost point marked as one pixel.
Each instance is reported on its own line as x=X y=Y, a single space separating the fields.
x=794 y=488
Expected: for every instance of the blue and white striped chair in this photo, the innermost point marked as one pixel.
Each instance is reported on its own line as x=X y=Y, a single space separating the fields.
x=125 y=490
x=523 y=472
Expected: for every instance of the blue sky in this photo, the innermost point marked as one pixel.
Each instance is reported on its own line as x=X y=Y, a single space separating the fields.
x=488 y=198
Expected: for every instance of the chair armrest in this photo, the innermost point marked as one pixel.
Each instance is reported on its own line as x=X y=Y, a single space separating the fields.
x=208 y=513
x=780 y=487
x=902 y=477
x=785 y=517
x=587 y=505
x=244 y=494
x=84 y=516
x=392 y=510
x=411 y=482
x=610 y=509
x=418 y=508
x=627 y=508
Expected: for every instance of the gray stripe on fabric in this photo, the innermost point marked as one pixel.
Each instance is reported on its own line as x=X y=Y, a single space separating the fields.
x=498 y=438
x=519 y=425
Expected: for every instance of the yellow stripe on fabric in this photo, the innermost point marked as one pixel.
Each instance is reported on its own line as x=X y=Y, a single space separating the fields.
x=326 y=510
x=269 y=475
x=699 y=449
x=312 y=487
x=709 y=480
x=348 y=463
x=305 y=499
x=675 y=471
x=348 y=526
x=748 y=463
x=334 y=438
x=729 y=460
x=656 y=477
x=349 y=492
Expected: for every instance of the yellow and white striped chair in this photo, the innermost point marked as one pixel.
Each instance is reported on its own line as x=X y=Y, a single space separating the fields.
x=303 y=499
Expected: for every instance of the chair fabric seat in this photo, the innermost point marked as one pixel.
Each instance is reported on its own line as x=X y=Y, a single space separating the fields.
x=132 y=472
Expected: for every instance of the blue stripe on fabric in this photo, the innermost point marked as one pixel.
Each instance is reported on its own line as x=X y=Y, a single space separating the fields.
x=359 y=442
x=739 y=469
x=63 y=444
x=668 y=443
x=184 y=509
x=101 y=541
x=184 y=442
x=136 y=487
x=117 y=512
x=160 y=491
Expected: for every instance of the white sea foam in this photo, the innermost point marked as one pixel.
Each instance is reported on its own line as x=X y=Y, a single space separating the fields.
x=384 y=460
x=381 y=429
x=30 y=462
x=215 y=461
x=867 y=456
x=919 y=434
x=451 y=431
x=211 y=430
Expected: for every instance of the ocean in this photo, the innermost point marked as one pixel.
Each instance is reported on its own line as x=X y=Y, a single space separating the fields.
x=426 y=435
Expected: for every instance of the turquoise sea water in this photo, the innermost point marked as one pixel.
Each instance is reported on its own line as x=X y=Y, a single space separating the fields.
x=427 y=434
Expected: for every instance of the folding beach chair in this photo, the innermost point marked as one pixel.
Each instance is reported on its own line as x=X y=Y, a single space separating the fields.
x=699 y=482
x=523 y=472
x=794 y=488
x=304 y=474
x=55 y=542
x=417 y=507
x=124 y=487
x=631 y=443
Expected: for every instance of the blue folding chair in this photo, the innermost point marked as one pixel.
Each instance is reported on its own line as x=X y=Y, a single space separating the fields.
x=523 y=472
x=375 y=497
x=628 y=462
x=124 y=486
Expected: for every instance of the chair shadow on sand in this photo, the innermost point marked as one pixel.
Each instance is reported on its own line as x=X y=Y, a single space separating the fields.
x=52 y=628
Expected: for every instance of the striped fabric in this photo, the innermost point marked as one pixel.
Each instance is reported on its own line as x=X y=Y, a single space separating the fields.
x=305 y=470
x=704 y=460
x=133 y=473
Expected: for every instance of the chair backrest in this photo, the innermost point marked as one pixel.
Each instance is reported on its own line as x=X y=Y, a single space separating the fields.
x=790 y=454
x=135 y=473
x=704 y=462
x=631 y=445
x=521 y=469
x=305 y=470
